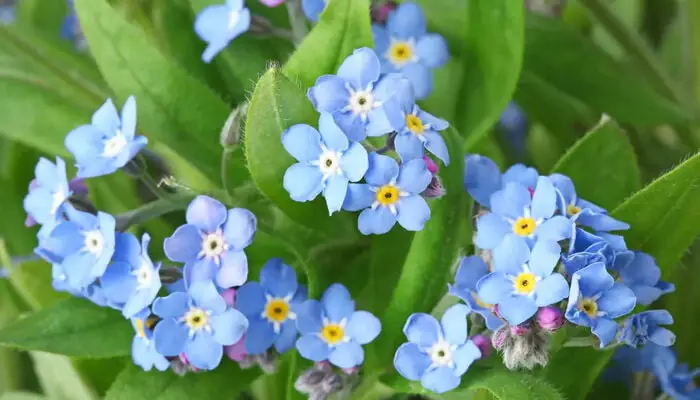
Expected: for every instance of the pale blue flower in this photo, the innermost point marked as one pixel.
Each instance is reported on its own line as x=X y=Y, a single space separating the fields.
x=218 y=25
x=644 y=327
x=482 y=178
x=48 y=192
x=313 y=8
x=471 y=269
x=143 y=349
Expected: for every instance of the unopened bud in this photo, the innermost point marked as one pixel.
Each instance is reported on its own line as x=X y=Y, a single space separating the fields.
x=233 y=127
x=267 y=361
x=229 y=296
x=483 y=343
x=380 y=12
x=526 y=351
x=186 y=362
x=519 y=330
x=247 y=362
x=432 y=166
x=332 y=383
x=550 y=318
x=498 y=339
x=29 y=221
x=236 y=351
x=178 y=367
x=309 y=380
x=435 y=190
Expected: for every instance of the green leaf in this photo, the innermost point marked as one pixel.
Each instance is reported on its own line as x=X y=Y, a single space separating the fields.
x=135 y=384
x=494 y=47
x=508 y=385
x=448 y=18
x=344 y=26
x=73 y=327
x=22 y=396
x=602 y=165
x=10 y=359
x=47 y=15
x=173 y=107
x=432 y=254
x=575 y=370
x=59 y=379
x=444 y=99
x=277 y=104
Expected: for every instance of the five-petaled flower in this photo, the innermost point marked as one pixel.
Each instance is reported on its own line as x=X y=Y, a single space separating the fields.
x=313 y=8
x=644 y=327
x=356 y=96
x=211 y=243
x=47 y=193
x=143 y=350
x=406 y=47
x=219 y=24
x=197 y=323
x=108 y=143
x=391 y=194
x=482 y=178
x=471 y=269
x=595 y=300
x=437 y=354
x=270 y=307
x=523 y=280
x=332 y=330
x=328 y=162
x=643 y=276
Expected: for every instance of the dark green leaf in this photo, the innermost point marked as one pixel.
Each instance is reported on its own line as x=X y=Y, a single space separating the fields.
x=46 y=15
x=344 y=26
x=602 y=165
x=73 y=327
x=448 y=18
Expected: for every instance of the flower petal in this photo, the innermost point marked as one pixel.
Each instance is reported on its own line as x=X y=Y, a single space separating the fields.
x=494 y=287
x=594 y=279
x=544 y=200
x=510 y=255
x=205 y=295
x=565 y=186
x=334 y=192
x=378 y=123
x=303 y=142
x=440 y=379
x=206 y=213
x=303 y=182
x=551 y=289
x=482 y=178
x=421 y=78
x=329 y=94
x=422 y=329
x=361 y=68
x=605 y=329
x=662 y=337
x=309 y=317
x=287 y=337
x=545 y=256
x=511 y=201
x=184 y=244
x=203 y=352
x=556 y=228
x=354 y=162
x=250 y=299
x=211 y=24
x=408 y=146
x=432 y=50
x=279 y=279
x=351 y=125
x=214 y=48
x=347 y=355
x=239 y=228
x=202 y=270
x=490 y=231
x=414 y=176
x=617 y=301
x=363 y=327
x=517 y=309
x=524 y=175
x=106 y=118
x=260 y=336
x=172 y=306
x=313 y=348
x=358 y=197
x=410 y=362
x=376 y=221
x=407 y=21
x=128 y=121
x=170 y=337
x=454 y=324
x=85 y=143
x=413 y=212
x=471 y=269
x=464 y=356
x=337 y=303
x=233 y=270
x=229 y=326
x=382 y=169
x=331 y=135
x=313 y=8
x=436 y=145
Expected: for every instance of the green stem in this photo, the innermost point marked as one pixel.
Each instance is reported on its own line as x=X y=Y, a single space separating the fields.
x=154 y=209
x=297 y=20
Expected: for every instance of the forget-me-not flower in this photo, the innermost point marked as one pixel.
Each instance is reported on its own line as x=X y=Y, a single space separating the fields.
x=437 y=354
x=313 y=8
x=7 y=12
x=143 y=350
x=327 y=162
x=131 y=282
x=471 y=269
x=643 y=276
x=71 y=29
x=219 y=24
x=514 y=126
x=644 y=327
x=211 y=243
x=356 y=95
x=406 y=47
x=483 y=178
x=595 y=300
x=48 y=192
x=587 y=248
x=271 y=308
x=108 y=143
x=83 y=244
x=676 y=380
x=523 y=280
x=415 y=128
x=197 y=323
x=518 y=213
x=391 y=194
x=332 y=330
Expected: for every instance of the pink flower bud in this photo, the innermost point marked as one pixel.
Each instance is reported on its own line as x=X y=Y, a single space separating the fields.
x=519 y=330
x=229 y=296
x=236 y=351
x=550 y=318
x=380 y=13
x=435 y=190
x=271 y=3
x=185 y=361
x=483 y=343
x=498 y=338
x=432 y=166
x=29 y=221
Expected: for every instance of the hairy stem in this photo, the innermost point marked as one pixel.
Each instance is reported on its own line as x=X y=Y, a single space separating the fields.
x=297 y=20
x=154 y=209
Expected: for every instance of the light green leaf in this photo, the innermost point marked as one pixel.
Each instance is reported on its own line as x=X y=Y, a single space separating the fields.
x=344 y=26
x=59 y=379
x=73 y=327
x=444 y=101
x=46 y=15
x=494 y=47
x=135 y=384
x=276 y=105
x=10 y=359
x=22 y=396
x=448 y=18
x=602 y=165
x=508 y=385
x=433 y=252
x=173 y=107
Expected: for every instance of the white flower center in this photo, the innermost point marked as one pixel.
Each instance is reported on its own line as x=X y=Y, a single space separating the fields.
x=197 y=319
x=233 y=17
x=329 y=163
x=213 y=246
x=114 y=145
x=144 y=275
x=94 y=242
x=361 y=102
x=57 y=199
x=441 y=353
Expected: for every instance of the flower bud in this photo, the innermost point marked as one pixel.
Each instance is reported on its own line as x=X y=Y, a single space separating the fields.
x=483 y=343
x=229 y=296
x=332 y=383
x=435 y=190
x=236 y=351
x=498 y=338
x=186 y=362
x=230 y=135
x=432 y=166
x=267 y=361
x=380 y=12
x=309 y=380
x=550 y=318
x=519 y=330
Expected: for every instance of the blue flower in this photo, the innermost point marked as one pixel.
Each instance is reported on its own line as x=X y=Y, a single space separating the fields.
x=405 y=47
x=595 y=300
x=71 y=29
x=482 y=178
x=356 y=96
x=582 y=211
x=197 y=323
x=48 y=192
x=644 y=327
x=327 y=162
x=587 y=248
x=514 y=124
x=108 y=143
x=7 y=13
x=643 y=276
x=517 y=213
x=313 y=8
x=211 y=243
x=471 y=269
x=332 y=330
x=271 y=308
x=131 y=282
x=218 y=25
x=523 y=280
x=391 y=194
x=143 y=349
x=676 y=380
x=415 y=128
x=437 y=354
x=83 y=245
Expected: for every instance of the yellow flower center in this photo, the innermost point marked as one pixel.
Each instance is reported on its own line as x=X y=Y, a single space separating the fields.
x=524 y=283
x=414 y=124
x=572 y=209
x=277 y=310
x=480 y=302
x=589 y=306
x=196 y=319
x=387 y=195
x=400 y=52
x=524 y=226
x=139 y=328
x=332 y=333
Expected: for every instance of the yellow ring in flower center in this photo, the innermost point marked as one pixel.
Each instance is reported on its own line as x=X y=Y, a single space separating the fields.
x=277 y=310
x=400 y=52
x=414 y=124
x=524 y=226
x=139 y=328
x=524 y=283
x=196 y=319
x=332 y=333
x=387 y=195
x=589 y=306
x=572 y=210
